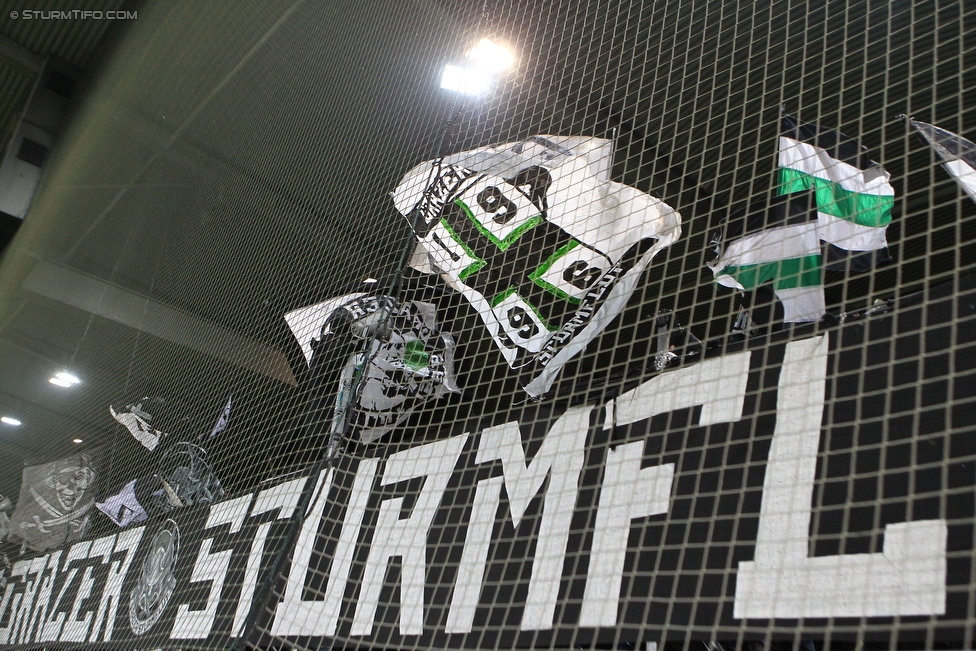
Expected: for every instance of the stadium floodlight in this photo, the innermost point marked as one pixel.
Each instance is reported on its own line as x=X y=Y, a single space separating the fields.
x=467 y=81
x=491 y=56
x=486 y=60
x=64 y=379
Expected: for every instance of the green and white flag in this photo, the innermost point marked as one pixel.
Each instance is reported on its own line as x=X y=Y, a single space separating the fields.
x=853 y=194
x=787 y=256
x=828 y=191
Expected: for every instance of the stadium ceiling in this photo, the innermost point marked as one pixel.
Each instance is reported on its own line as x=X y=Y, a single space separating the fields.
x=189 y=191
x=225 y=163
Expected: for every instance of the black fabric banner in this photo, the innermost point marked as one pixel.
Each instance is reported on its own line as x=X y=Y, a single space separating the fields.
x=798 y=477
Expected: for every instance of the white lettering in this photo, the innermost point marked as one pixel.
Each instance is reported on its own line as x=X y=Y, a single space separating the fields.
x=628 y=492
x=76 y=630
x=561 y=459
x=20 y=632
x=295 y=616
x=718 y=384
x=471 y=569
x=39 y=616
x=406 y=537
x=283 y=498
x=212 y=567
x=126 y=544
x=51 y=630
x=12 y=600
x=907 y=578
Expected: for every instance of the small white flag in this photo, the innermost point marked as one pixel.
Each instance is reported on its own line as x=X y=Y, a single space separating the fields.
x=139 y=428
x=222 y=421
x=957 y=153
x=123 y=508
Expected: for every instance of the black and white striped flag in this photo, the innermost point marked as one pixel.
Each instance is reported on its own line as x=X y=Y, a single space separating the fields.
x=957 y=153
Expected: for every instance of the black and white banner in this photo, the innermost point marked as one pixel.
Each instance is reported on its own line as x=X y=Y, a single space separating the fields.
x=539 y=240
x=395 y=357
x=818 y=474
x=56 y=501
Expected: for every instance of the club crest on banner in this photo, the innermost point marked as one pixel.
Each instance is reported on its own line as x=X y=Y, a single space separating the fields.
x=156 y=582
x=401 y=358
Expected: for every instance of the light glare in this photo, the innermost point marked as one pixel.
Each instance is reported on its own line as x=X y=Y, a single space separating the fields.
x=10 y=421
x=491 y=56
x=76 y=440
x=467 y=81
x=64 y=379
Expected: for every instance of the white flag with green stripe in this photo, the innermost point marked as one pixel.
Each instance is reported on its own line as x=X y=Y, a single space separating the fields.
x=853 y=194
x=788 y=257
x=828 y=192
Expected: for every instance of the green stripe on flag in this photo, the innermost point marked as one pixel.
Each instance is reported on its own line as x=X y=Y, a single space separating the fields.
x=787 y=274
x=509 y=239
x=864 y=209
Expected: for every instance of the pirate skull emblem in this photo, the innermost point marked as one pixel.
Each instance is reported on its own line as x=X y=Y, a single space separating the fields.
x=69 y=479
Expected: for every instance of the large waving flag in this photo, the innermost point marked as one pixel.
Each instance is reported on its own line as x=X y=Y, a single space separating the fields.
x=56 y=501
x=957 y=153
x=535 y=235
x=829 y=192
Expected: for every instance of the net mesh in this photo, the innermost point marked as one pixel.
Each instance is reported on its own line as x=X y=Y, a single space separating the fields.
x=483 y=392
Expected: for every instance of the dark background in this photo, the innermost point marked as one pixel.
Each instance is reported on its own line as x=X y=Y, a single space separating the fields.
x=224 y=163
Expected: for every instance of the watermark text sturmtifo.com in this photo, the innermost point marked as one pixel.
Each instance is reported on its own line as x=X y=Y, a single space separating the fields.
x=73 y=14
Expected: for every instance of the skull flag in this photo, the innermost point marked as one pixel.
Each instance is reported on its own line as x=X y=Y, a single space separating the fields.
x=403 y=359
x=539 y=240
x=56 y=500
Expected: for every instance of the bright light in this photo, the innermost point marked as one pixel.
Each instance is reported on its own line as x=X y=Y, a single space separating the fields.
x=76 y=440
x=491 y=56
x=370 y=281
x=64 y=379
x=467 y=81
x=10 y=421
